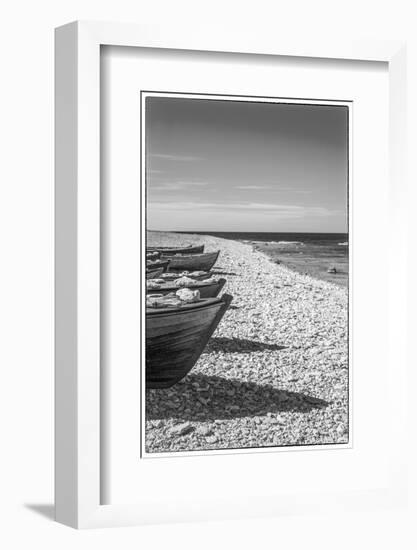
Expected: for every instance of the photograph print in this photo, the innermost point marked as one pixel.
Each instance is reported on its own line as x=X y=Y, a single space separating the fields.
x=247 y=273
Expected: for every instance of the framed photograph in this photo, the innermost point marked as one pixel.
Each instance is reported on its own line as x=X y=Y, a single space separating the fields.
x=228 y=332
x=278 y=169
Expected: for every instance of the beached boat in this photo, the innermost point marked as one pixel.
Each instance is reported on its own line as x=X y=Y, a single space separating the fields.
x=207 y=290
x=176 y=337
x=191 y=262
x=154 y=273
x=150 y=265
x=177 y=249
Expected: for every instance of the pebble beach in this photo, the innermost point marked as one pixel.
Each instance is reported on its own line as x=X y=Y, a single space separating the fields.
x=274 y=373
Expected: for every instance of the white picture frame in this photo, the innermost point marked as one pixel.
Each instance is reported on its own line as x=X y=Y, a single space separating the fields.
x=78 y=410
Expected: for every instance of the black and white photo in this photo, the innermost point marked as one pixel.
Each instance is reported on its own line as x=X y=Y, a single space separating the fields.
x=247 y=273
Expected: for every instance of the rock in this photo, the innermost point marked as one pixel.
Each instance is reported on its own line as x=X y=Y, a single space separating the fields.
x=157 y=423
x=181 y=429
x=204 y=430
x=202 y=400
x=211 y=439
x=332 y=270
x=172 y=405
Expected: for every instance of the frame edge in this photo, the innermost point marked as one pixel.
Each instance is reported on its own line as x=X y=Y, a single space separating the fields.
x=77 y=495
x=66 y=346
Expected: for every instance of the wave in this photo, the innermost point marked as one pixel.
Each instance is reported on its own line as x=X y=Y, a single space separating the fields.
x=256 y=242
x=290 y=242
x=343 y=244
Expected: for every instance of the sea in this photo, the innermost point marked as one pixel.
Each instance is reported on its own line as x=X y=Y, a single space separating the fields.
x=324 y=256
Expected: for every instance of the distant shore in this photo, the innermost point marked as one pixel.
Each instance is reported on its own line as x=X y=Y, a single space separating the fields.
x=275 y=373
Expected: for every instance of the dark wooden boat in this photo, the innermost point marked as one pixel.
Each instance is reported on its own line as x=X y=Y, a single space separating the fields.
x=154 y=273
x=207 y=290
x=176 y=337
x=150 y=265
x=176 y=250
x=191 y=262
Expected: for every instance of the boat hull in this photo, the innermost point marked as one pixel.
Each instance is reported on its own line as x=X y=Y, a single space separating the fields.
x=154 y=273
x=177 y=250
x=210 y=290
x=176 y=338
x=197 y=262
x=150 y=266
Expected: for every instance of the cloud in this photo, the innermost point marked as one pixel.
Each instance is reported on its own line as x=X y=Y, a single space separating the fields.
x=281 y=210
x=153 y=171
x=181 y=158
x=177 y=186
x=252 y=187
x=274 y=187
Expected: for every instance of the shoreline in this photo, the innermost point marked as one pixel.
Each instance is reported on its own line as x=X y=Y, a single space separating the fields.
x=313 y=254
x=275 y=372
x=306 y=265
x=172 y=238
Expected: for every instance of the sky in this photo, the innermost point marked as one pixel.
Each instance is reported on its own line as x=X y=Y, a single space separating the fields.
x=220 y=165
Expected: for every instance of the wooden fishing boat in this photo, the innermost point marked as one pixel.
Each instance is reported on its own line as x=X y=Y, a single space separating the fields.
x=191 y=262
x=176 y=337
x=207 y=290
x=150 y=265
x=154 y=273
x=176 y=250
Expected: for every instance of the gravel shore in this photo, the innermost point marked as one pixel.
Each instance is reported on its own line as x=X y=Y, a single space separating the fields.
x=275 y=372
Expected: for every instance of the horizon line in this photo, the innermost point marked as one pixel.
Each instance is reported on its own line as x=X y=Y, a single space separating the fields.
x=235 y=231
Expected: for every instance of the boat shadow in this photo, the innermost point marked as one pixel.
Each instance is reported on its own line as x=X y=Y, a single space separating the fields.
x=199 y=397
x=239 y=345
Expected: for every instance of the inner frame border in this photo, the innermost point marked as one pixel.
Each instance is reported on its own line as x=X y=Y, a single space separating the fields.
x=144 y=94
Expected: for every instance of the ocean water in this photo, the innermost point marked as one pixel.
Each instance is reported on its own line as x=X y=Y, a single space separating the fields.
x=310 y=253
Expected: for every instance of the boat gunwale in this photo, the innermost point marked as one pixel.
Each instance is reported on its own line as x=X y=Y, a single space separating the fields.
x=193 y=306
x=189 y=256
x=176 y=274
x=176 y=250
x=220 y=282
